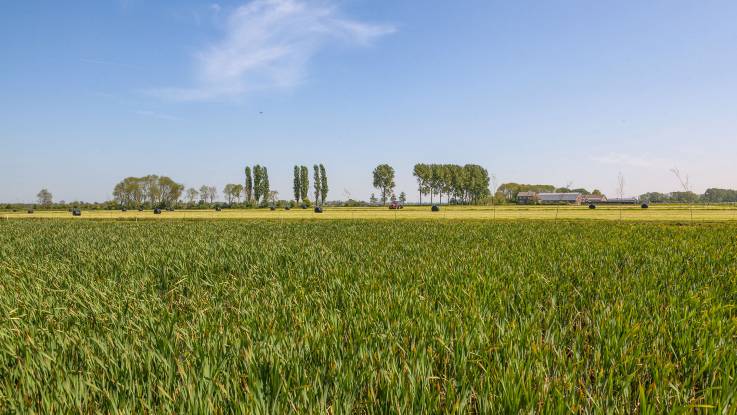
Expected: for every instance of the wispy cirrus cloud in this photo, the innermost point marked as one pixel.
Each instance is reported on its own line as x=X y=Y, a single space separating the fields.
x=625 y=159
x=268 y=44
x=157 y=115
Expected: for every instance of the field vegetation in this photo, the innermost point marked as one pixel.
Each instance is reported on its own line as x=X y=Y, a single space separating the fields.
x=357 y=316
x=656 y=213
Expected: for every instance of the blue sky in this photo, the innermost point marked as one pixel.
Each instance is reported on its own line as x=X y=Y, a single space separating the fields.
x=537 y=92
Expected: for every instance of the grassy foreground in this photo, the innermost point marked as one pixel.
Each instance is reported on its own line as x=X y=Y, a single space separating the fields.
x=367 y=317
x=669 y=213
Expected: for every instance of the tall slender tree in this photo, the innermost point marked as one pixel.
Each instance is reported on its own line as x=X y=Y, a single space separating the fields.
x=297 y=185
x=265 y=184
x=304 y=177
x=316 y=182
x=420 y=172
x=323 y=184
x=257 y=185
x=248 y=188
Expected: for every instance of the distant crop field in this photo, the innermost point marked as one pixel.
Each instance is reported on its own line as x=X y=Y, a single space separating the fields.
x=678 y=213
x=357 y=316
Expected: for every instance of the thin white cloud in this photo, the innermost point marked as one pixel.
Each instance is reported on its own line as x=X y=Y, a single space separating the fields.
x=157 y=115
x=268 y=44
x=624 y=159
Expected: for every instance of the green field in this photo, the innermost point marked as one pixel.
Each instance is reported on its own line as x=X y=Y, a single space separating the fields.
x=367 y=316
x=671 y=213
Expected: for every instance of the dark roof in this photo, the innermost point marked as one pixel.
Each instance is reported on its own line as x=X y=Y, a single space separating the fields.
x=558 y=197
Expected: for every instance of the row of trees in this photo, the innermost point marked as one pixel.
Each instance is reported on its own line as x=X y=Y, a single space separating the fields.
x=711 y=195
x=301 y=184
x=460 y=184
x=150 y=190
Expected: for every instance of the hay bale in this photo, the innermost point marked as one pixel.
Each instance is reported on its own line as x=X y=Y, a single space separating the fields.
x=644 y=206
x=303 y=206
x=272 y=208
x=287 y=208
x=592 y=206
x=30 y=211
x=124 y=210
x=318 y=209
x=217 y=209
x=76 y=212
x=157 y=211
x=435 y=208
x=140 y=209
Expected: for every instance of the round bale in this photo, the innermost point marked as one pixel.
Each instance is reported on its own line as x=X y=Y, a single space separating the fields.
x=303 y=206
x=272 y=208
x=435 y=208
x=318 y=209
x=157 y=211
x=30 y=211
x=217 y=209
x=76 y=212
x=592 y=206
x=287 y=208
x=644 y=206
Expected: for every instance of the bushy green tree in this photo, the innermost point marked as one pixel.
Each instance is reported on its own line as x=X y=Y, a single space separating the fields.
x=384 y=180
x=45 y=198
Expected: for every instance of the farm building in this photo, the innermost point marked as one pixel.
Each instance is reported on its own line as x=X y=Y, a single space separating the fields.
x=594 y=199
x=622 y=201
x=559 y=198
x=526 y=198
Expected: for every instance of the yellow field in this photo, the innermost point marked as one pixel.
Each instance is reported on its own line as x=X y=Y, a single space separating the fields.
x=513 y=212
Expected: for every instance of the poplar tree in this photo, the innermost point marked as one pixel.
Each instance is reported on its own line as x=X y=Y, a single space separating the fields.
x=316 y=182
x=297 y=185
x=323 y=184
x=249 y=185
x=304 y=177
x=265 y=183
x=257 y=186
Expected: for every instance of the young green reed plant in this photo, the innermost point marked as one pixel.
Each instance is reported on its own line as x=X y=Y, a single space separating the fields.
x=366 y=317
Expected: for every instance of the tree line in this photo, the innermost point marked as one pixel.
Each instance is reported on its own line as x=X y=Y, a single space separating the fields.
x=466 y=184
x=711 y=195
x=161 y=191
x=151 y=190
x=301 y=184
